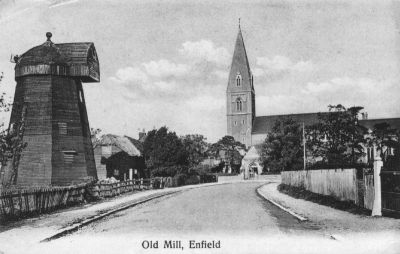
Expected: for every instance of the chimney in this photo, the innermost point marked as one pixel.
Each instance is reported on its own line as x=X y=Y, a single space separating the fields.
x=142 y=134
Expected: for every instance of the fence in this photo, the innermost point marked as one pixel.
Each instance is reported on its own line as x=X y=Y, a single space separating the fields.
x=339 y=183
x=390 y=182
x=106 y=190
x=23 y=203
x=20 y=203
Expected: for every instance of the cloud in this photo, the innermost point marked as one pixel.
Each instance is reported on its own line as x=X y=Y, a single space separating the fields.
x=279 y=64
x=351 y=85
x=164 y=86
x=183 y=93
x=221 y=74
x=205 y=50
x=164 y=68
x=58 y=3
x=316 y=96
x=206 y=103
x=130 y=74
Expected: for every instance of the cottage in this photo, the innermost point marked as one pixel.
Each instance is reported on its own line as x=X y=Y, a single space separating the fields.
x=119 y=157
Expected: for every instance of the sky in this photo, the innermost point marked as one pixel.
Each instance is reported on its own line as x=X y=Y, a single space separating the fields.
x=167 y=62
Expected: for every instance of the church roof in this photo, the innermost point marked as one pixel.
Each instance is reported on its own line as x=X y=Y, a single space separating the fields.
x=240 y=63
x=369 y=123
x=264 y=124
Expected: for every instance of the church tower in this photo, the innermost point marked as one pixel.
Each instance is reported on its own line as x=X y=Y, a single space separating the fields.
x=240 y=96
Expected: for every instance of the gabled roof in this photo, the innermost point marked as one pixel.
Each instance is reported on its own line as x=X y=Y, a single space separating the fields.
x=264 y=124
x=251 y=154
x=123 y=143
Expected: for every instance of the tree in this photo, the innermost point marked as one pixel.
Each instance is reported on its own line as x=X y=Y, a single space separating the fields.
x=384 y=136
x=196 y=148
x=95 y=135
x=11 y=144
x=229 y=149
x=163 y=148
x=337 y=138
x=282 y=149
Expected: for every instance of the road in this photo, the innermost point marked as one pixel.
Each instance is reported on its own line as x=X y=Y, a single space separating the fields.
x=232 y=214
x=228 y=208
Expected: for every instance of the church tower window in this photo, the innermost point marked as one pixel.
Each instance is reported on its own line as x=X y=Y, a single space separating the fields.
x=238 y=104
x=238 y=80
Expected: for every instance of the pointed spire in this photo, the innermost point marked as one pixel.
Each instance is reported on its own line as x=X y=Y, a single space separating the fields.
x=240 y=64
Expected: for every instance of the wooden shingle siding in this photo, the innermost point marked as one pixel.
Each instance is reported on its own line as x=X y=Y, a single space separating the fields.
x=49 y=91
x=35 y=162
x=67 y=108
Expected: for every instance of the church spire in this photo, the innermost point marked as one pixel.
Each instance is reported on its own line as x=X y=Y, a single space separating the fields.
x=240 y=64
x=240 y=95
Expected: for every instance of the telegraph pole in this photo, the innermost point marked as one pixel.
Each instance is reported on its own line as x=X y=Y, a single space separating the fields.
x=304 y=148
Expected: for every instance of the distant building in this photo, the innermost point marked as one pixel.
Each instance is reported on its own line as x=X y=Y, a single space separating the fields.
x=50 y=102
x=119 y=157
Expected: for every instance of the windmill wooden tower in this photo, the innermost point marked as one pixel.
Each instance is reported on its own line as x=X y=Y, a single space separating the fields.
x=49 y=100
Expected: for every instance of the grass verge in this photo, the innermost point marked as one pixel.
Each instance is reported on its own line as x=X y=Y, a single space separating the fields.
x=301 y=193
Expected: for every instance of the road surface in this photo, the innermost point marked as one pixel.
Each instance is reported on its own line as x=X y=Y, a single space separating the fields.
x=228 y=208
x=233 y=215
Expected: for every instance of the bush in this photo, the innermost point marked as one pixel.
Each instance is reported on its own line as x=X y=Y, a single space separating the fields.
x=208 y=178
x=218 y=168
x=200 y=169
x=168 y=171
x=325 y=165
x=179 y=180
x=192 y=179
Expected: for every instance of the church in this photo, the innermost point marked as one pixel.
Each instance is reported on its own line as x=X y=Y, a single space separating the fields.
x=242 y=122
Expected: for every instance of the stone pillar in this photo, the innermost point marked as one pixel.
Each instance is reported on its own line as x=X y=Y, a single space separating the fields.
x=130 y=174
x=377 y=207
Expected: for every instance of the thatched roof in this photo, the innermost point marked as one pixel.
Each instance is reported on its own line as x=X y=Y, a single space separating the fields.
x=123 y=143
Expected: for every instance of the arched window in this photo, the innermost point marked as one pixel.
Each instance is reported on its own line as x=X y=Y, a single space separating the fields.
x=238 y=104
x=238 y=80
